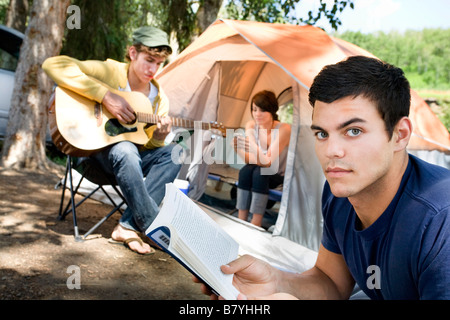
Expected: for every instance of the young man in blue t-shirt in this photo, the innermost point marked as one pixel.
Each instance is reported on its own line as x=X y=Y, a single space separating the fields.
x=386 y=213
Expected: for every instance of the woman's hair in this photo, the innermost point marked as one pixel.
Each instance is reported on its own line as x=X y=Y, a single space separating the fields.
x=383 y=84
x=267 y=101
x=161 y=52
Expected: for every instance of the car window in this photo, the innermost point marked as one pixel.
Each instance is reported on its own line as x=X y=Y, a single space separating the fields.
x=7 y=61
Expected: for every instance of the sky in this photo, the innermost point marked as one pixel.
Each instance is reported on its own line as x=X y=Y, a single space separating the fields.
x=387 y=15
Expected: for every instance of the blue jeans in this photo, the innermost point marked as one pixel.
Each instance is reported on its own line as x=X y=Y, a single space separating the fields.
x=130 y=166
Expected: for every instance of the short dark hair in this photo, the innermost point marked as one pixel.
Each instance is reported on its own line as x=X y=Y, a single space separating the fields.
x=267 y=101
x=382 y=83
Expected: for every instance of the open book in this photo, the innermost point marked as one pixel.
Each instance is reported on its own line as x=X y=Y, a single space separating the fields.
x=195 y=240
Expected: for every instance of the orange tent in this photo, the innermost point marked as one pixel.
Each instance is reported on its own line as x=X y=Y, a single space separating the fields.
x=214 y=78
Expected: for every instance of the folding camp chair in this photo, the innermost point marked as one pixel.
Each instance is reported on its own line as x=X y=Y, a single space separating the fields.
x=89 y=169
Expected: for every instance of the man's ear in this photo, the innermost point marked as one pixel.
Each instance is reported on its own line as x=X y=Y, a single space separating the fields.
x=402 y=133
x=132 y=52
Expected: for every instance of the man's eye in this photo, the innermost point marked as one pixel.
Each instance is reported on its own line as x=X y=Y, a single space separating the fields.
x=354 y=132
x=321 y=135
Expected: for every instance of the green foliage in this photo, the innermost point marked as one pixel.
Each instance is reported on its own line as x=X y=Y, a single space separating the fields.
x=3 y=8
x=285 y=113
x=423 y=55
x=284 y=11
x=444 y=114
x=103 y=32
x=179 y=17
x=106 y=25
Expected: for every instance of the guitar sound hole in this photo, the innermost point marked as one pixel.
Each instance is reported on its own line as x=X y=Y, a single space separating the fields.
x=114 y=128
x=134 y=121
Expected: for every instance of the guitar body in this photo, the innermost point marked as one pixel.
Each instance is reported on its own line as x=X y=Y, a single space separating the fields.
x=80 y=127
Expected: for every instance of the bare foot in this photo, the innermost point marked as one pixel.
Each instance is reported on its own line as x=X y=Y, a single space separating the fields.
x=121 y=234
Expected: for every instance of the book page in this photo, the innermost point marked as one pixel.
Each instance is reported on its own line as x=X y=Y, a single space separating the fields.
x=211 y=244
x=200 y=235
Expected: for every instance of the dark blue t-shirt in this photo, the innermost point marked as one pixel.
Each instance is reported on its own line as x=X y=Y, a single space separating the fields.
x=405 y=253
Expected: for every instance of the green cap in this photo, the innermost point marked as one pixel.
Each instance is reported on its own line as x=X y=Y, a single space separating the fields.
x=151 y=37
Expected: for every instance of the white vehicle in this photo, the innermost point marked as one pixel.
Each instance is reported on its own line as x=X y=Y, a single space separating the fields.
x=10 y=42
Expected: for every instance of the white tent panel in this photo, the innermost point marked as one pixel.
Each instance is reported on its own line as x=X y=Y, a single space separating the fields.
x=301 y=220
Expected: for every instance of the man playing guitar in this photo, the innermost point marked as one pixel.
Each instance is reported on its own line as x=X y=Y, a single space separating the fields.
x=128 y=162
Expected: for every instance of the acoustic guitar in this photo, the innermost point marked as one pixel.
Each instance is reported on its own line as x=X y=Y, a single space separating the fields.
x=80 y=126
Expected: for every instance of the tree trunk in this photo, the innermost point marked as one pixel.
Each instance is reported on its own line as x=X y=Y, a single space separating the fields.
x=16 y=16
x=24 y=146
x=207 y=13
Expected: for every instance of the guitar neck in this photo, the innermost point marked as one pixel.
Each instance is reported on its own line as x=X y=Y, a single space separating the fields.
x=176 y=122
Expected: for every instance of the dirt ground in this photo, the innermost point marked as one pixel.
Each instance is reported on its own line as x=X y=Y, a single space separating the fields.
x=38 y=252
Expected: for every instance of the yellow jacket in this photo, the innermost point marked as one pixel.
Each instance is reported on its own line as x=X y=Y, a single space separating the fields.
x=90 y=79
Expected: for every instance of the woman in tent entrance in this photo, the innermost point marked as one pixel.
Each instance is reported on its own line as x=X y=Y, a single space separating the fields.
x=264 y=150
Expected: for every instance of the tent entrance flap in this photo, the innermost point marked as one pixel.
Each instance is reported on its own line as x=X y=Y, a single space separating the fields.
x=204 y=102
x=240 y=81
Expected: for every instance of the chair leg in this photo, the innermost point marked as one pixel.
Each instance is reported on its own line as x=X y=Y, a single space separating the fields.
x=98 y=224
x=112 y=200
x=71 y=205
x=67 y=210
x=62 y=214
x=61 y=203
x=117 y=207
x=72 y=201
